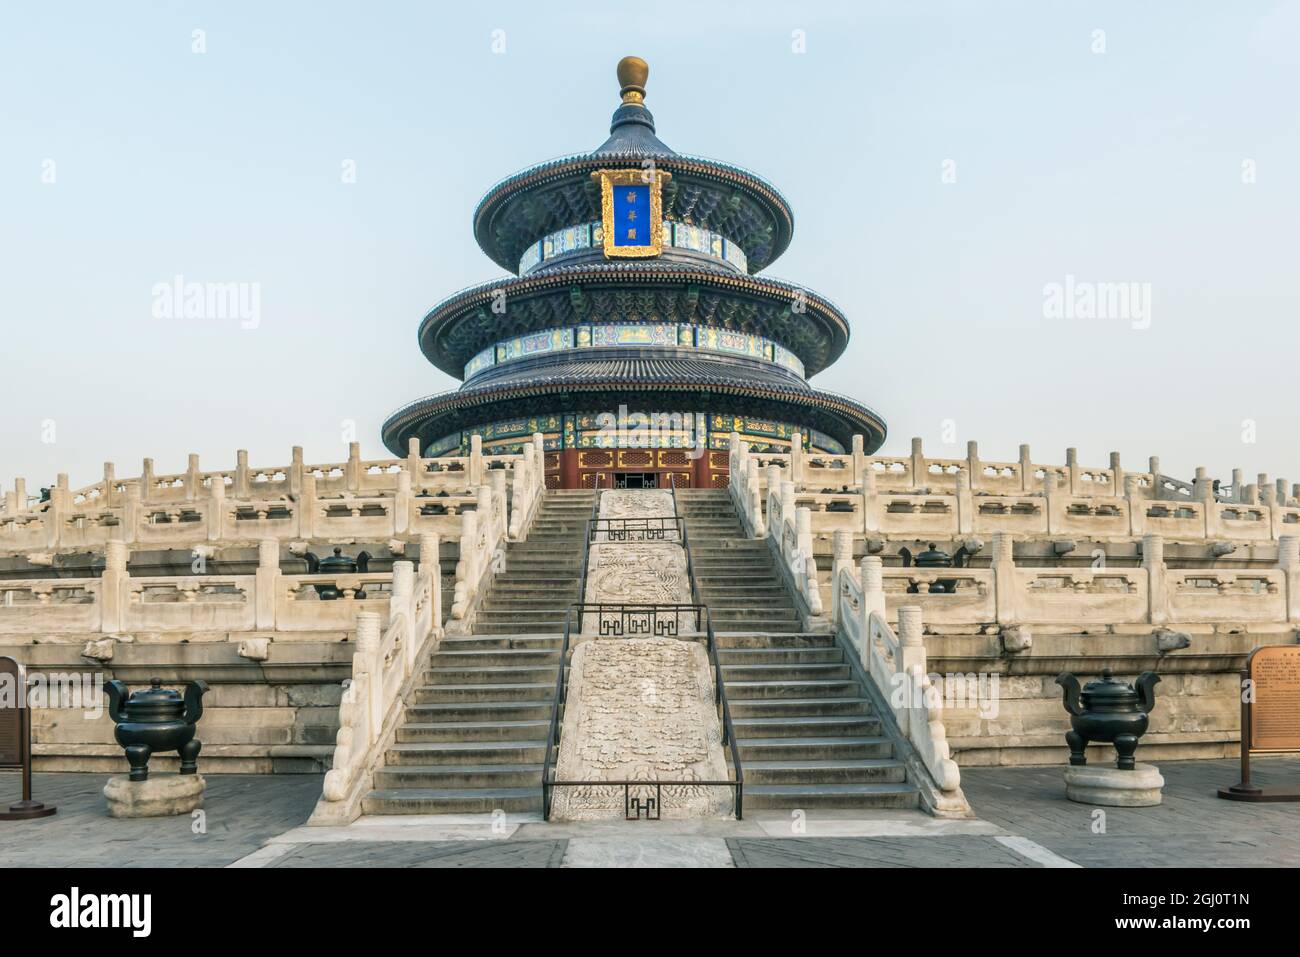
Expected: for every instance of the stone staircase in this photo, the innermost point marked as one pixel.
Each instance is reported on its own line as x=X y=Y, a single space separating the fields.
x=474 y=738
x=807 y=732
x=738 y=578
x=543 y=574
x=475 y=732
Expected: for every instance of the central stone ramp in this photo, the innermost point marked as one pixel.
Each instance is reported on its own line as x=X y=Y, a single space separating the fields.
x=640 y=708
x=474 y=737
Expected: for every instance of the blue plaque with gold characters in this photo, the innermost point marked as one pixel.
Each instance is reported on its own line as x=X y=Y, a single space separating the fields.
x=631 y=210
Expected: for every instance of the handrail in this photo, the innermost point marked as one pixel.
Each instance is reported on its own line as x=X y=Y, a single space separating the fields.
x=586 y=555
x=552 y=735
x=641 y=528
x=720 y=688
x=686 y=544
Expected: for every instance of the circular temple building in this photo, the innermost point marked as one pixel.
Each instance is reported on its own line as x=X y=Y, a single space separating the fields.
x=636 y=333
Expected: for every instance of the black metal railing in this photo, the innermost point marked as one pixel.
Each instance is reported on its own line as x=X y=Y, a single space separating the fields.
x=653 y=528
x=586 y=546
x=553 y=734
x=720 y=687
x=686 y=542
x=652 y=806
x=642 y=619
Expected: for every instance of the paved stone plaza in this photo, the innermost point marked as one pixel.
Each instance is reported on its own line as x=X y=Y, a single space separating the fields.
x=1022 y=820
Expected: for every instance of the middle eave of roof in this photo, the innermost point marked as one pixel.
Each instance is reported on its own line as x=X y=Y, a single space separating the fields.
x=465 y=323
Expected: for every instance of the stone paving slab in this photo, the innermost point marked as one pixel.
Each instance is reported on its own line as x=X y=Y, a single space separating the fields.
x=811 y=822
x=240 y=813
x=1178 y=852
x=945 y=852
x=818 y=822
x=1191 y=828
x=425 y=854
x=1026 y=821
x=648 y=852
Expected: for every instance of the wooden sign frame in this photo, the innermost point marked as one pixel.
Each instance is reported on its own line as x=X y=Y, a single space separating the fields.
x=1245 y=789
x=26 y=808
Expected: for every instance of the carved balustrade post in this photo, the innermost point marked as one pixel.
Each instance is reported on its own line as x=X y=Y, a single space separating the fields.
x=1005 y=583
x=431 y=568
x=146 y=481
x=133 y=511
x=497 y=484
x=870 y=501
x=111 y=496
x=240 y=487
x=841 y=563
x=402 y=502
x=1136 y=505
x=774 y=480
x=401 y=601
x=112 y=588
x=414 y=465
x=297 y=471
x=192 y=478
x=216 y=509
x=788 y=518
x=911 y=662
x=467 y=564
x=810 y=586
x=267 y=583
x=872 y=571
x=368 y=644
x=475 y=461
x=1055 y=502
x=796 y=458
x=307 y=507
x=1288 y=560
x=352 y=471
x=56 y=511
x=974 y=472
x=1153 y=560
x=965 y=504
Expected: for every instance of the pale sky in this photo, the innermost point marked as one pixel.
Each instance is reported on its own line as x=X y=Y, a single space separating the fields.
x=945 y=162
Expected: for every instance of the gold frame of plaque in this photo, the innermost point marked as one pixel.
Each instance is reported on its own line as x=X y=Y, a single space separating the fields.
x=611 y=178
x=1274 y=672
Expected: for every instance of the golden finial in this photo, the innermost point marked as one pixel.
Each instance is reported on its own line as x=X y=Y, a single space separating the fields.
x=632 y=73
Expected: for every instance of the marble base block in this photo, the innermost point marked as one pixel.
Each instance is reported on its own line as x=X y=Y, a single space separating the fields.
x=160 y=796
x=1111 y=787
